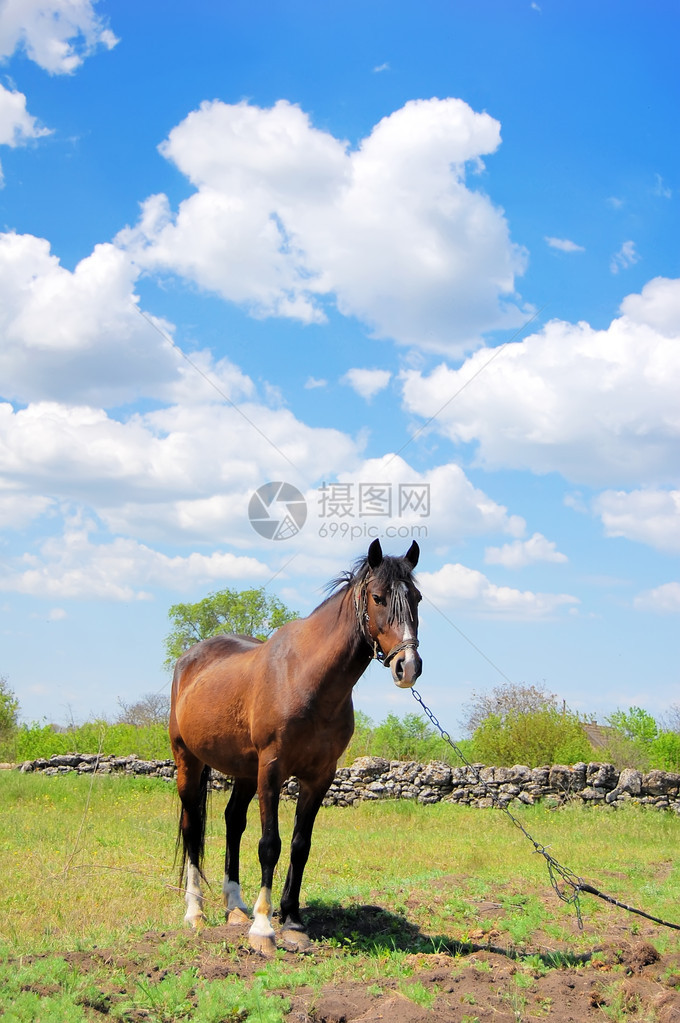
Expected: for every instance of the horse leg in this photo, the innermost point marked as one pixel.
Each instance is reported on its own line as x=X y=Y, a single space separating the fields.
x=261 y=934
x=308 y=804
x=235 y=816
x=192 y=785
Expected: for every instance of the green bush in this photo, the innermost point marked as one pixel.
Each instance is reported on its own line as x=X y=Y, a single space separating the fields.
x=149 y=742
x=634 y=741
x=547 y=736
x=664 y=751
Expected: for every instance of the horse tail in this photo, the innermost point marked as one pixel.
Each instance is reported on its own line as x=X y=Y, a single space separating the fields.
x=192 y=838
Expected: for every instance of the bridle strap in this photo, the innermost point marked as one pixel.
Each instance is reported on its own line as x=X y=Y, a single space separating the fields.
x=363 y=619
x=408 y=644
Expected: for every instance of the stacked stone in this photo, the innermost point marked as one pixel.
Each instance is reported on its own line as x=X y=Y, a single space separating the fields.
x=373 y=778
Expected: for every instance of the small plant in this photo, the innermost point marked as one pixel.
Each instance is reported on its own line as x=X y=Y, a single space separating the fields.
x=418 y=993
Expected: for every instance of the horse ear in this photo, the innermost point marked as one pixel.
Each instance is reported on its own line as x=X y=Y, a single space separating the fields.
x=412 y=554
x=375 y=554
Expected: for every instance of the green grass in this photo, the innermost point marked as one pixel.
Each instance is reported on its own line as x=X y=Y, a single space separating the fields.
x=89 y=862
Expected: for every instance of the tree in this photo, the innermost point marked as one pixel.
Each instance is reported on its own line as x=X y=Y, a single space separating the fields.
x=248 y=612
x=630 y=740
x=509 y=698
x=635 y=724
x=9 y=710
x=152 y=709
x=671 y=719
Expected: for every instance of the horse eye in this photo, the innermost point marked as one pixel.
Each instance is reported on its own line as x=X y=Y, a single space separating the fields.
x=419 y=596
x=378 y=599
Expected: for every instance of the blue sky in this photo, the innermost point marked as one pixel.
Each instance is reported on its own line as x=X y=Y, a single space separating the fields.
x=407 y=249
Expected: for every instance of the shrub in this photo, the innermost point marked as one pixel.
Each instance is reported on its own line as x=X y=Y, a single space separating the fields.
x=632 y=738
x=664 y=752
x=149 y=742
x=545 y=736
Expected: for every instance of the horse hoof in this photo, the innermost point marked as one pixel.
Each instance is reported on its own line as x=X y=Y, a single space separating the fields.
x=296 y=941
x=263 y=943
x=195 y=922
x=236 y=917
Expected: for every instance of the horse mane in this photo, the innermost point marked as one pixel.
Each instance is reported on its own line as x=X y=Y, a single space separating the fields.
x=390 y=573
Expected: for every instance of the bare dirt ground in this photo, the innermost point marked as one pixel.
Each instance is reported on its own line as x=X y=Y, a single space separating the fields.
x=624 y=978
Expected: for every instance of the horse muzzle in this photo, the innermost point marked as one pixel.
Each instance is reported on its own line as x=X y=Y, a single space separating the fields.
x=405 y=664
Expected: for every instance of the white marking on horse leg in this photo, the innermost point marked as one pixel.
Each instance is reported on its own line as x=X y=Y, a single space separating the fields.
x=262 y=924
x=194 y=897
x=231 y=890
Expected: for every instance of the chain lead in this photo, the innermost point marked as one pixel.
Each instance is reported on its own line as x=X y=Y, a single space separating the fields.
x=566 y=885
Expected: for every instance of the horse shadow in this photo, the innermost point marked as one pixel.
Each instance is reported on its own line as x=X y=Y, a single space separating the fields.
x=375 y=930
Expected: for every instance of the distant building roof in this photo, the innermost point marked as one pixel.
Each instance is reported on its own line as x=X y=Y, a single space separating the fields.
x=598 y=735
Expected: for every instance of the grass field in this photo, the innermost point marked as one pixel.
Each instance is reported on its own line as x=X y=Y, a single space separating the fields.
x=88 y=864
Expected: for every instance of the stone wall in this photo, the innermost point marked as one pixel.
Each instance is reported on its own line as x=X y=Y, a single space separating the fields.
x=371 y=778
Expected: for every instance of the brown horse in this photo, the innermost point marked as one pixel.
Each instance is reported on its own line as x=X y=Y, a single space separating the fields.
x=261 y=712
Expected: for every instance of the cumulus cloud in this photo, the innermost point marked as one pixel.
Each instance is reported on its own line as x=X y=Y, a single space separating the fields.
x=524 y=552
x=286 y=217
x=598 y=406
x=76 y=335
x=367 y=382
x=73 y=566
x=657 y=306
x=57 y=34
x=456 y=586
x=651 y=517
x=387 y=497
x=663 y=599
x=177 y=472
x=18 y=508
x=17 y=126
x=564 y=245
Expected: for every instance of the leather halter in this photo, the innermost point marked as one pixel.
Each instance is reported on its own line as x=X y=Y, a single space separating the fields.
x=363 y=618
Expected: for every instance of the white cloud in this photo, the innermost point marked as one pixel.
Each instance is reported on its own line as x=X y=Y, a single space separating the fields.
x=76 y=335
x=312 y=384
x=72 y=566
x=18 y=509
x=564 y=245
x=597 y=406
x=456 y=586
x=17 y=126
x=179 y=473
x=524 y=552
x=624 y=258
x=56 y=34
x=367 y=382
x=661 y=189
x=663 y=599
x=647 y=516
x=285 y=216
x=381 y=67
x=387 y=497
x=657 y=306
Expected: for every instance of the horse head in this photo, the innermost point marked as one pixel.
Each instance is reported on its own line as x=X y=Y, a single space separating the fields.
x=387 y=607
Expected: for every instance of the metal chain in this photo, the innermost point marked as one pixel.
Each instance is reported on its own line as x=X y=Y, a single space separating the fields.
x=566 y=884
